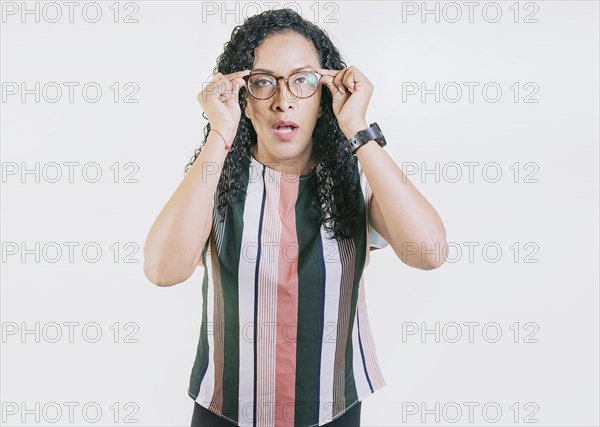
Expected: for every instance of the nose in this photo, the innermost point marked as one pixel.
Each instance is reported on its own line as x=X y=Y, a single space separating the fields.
x=282 y=99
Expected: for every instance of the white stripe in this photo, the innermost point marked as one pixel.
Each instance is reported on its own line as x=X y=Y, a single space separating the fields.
x=366 y=191
x=369 y=351
x=267 y=313
x=246 y=274
x=333 y=278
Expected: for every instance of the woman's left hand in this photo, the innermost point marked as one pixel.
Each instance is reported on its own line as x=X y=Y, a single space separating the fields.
x=351 y=92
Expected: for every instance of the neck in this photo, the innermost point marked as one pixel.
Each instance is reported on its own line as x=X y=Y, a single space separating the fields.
x=305 y=162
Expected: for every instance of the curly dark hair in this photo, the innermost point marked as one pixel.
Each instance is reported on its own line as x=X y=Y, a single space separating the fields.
x=337 y=183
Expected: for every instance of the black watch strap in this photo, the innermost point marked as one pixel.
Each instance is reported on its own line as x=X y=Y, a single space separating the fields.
x=364 y=136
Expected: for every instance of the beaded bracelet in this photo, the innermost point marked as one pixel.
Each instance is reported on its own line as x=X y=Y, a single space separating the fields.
x=227 y=147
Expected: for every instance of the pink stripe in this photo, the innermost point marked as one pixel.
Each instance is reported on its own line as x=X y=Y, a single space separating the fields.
x=287 y=304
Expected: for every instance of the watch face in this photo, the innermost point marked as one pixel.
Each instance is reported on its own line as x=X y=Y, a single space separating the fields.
x=375 y=133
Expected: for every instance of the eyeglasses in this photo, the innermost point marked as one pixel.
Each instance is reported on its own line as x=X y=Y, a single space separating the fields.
x=302 y=84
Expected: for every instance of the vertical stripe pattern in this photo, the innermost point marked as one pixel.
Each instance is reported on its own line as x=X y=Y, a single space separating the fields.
x=285 y=337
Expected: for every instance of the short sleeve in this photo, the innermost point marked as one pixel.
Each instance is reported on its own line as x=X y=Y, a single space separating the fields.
x=376 y=240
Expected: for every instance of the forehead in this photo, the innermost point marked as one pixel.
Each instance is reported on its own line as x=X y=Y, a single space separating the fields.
x=284 y=53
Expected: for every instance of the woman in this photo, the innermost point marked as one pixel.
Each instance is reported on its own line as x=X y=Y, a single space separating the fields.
x=283 y=214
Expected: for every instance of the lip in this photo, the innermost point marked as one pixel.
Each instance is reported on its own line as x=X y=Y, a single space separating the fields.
x=285 y=123
x=285 y=136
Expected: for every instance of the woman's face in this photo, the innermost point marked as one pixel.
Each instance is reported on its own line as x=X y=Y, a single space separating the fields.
x=281 y=54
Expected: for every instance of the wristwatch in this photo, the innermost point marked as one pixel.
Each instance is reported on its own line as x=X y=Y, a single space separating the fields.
x=364 y=136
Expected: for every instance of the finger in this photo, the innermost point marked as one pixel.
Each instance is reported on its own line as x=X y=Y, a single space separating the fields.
x=240 y=81
x=328 y=81
x=224 y=83
x=237 y=74
x=339 y=80
x=216 y=77
x=212 y=89
x=224 y=88
x=333 y=73
x=237 y=84
x=231 y=75
x=327 y=72
x=227 y=85
x=329 y=78
x=350 y=82
x=335 y=92
x=215 y=86
x=228 y=98
x=235 y=93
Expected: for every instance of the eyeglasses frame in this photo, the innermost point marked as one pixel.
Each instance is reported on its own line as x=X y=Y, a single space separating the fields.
x=286 y=79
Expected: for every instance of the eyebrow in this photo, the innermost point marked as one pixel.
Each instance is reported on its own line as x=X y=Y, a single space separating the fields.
x=293 y=71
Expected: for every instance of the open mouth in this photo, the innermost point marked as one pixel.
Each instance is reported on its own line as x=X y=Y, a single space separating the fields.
x=285 y=130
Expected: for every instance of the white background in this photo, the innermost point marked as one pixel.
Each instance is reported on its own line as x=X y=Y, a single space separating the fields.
x=169 y=54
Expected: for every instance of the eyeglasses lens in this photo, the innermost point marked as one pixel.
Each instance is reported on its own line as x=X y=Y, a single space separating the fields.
x=302 y=85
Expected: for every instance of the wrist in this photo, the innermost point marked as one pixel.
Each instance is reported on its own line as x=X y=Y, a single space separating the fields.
x=224 y=136
x=364 y=136
x=227 y=132
x=353 y=128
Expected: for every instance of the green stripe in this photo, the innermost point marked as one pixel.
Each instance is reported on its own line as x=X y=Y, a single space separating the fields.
x=229 y=262
x=311 y=280
x=201 y=360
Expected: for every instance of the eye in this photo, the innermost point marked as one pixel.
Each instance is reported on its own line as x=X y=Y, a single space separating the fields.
x=262 y=81
x=300 y=80
x=305 y=79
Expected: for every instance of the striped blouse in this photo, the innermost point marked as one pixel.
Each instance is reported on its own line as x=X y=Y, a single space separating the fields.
x=285 y=337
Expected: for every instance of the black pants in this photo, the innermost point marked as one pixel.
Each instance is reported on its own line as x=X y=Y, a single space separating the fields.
x=203 y=417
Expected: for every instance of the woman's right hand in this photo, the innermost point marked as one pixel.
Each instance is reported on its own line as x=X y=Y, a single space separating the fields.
x=219 y=100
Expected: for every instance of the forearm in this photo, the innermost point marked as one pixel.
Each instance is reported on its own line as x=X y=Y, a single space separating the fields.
x=177 y=235
x=412 y=223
